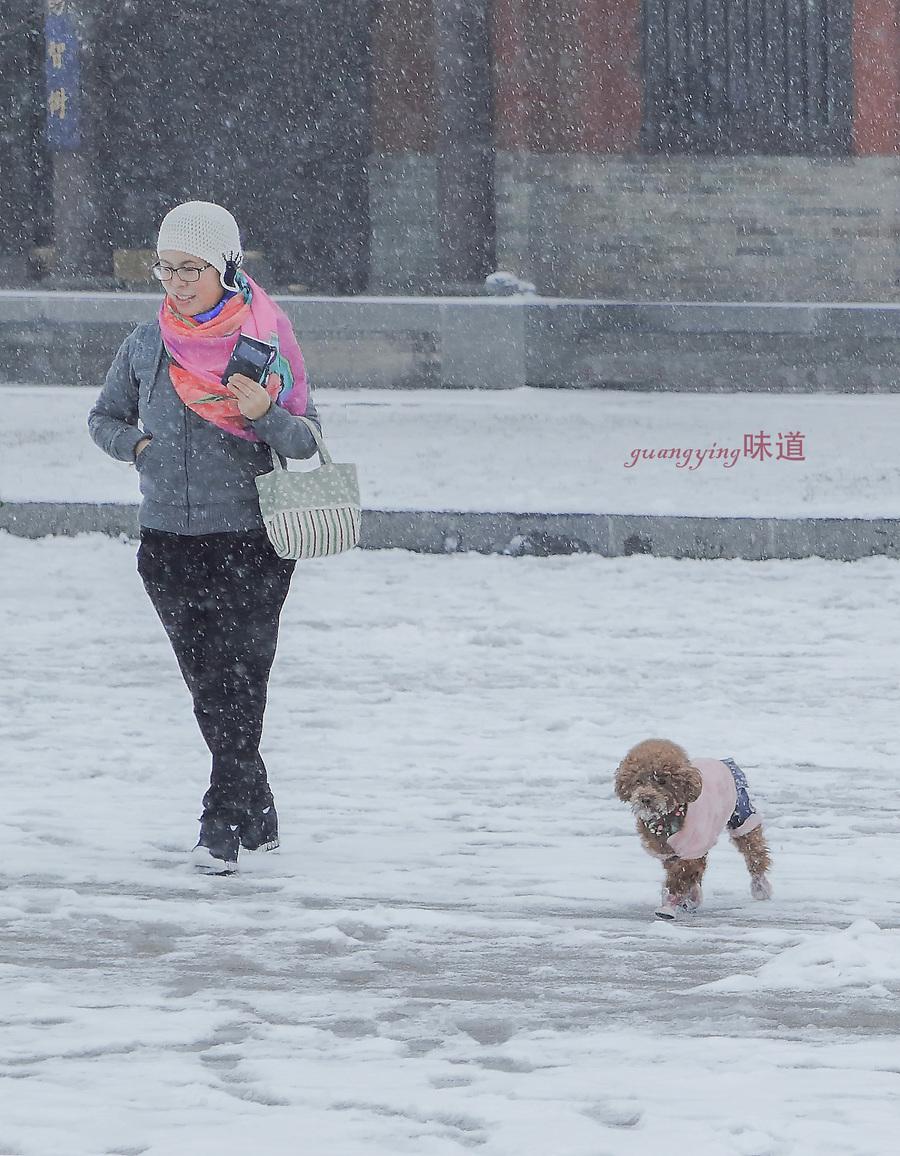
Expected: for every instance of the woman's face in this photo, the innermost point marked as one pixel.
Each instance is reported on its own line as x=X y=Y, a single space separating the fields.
x=191 y=297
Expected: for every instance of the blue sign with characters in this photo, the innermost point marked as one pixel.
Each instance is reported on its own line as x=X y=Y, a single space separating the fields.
x=63 y=73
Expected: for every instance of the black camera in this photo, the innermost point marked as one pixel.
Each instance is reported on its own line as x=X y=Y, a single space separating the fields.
x=250 y=357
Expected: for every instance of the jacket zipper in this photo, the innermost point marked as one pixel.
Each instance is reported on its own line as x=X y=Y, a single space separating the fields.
x=187 y=480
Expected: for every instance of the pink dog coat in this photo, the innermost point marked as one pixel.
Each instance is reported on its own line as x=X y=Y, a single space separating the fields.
x=723 y=802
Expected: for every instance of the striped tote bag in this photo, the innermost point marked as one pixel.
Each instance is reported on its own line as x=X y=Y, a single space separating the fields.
x=311 y=514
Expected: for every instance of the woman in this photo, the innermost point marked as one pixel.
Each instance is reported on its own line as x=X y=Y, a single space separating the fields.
x=198 y=445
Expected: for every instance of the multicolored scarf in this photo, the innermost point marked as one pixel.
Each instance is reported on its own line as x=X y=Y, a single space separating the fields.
x=200 y=353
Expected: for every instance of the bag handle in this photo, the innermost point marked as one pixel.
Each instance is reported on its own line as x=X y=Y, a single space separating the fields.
x=320 y=445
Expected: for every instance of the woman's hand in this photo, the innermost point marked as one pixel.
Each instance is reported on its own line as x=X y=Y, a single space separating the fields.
x=252 y=399
x=140 y=447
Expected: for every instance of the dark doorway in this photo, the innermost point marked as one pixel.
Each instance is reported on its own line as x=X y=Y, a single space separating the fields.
x=262 y=107
x=24 y=169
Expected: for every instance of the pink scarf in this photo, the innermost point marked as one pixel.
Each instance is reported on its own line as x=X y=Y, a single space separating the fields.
x=200 y=352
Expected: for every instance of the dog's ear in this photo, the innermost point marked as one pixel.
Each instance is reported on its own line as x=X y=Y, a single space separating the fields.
x=626 y=779
x=690 y=784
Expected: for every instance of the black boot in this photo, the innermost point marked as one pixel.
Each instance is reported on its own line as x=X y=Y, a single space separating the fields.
x=259 y=829
x=217 y=848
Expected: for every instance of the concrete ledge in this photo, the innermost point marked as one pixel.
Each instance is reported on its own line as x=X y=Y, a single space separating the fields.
x=41 y=519
x=485 y=342
x=542 y=535
x=714 y=346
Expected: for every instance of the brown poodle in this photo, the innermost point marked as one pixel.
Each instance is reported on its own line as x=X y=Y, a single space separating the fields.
x=681 y=808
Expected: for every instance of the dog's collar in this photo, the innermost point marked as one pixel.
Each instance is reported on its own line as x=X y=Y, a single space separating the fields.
x=664 y=826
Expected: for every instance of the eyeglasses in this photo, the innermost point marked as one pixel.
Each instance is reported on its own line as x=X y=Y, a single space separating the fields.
x=186 y=273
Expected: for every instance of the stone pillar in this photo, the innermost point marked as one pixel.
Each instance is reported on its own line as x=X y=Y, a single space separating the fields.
x=514 y=95
x=876 y=77
x=463 y=142
x=402 y=196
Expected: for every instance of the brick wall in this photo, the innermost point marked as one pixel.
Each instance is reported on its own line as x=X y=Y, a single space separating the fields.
x=755 y=228
x=651 y=228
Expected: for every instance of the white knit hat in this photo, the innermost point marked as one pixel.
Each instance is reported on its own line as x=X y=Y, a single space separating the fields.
x=204 y=230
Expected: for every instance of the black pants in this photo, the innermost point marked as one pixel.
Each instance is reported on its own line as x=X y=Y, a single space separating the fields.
x=219 y=598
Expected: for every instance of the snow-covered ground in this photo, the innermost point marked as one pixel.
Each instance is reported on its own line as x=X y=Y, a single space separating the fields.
x=530 y=450
x=452 y=951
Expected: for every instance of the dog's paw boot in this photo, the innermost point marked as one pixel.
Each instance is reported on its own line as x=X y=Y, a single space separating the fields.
x=667 y=910
x=760 y=887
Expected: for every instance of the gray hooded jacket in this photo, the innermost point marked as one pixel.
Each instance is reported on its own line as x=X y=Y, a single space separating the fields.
x=195 y=478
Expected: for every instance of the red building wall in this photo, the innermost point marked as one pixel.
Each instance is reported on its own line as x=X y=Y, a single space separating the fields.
x=567 y=76
x=402 y=88
x=876 y=77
